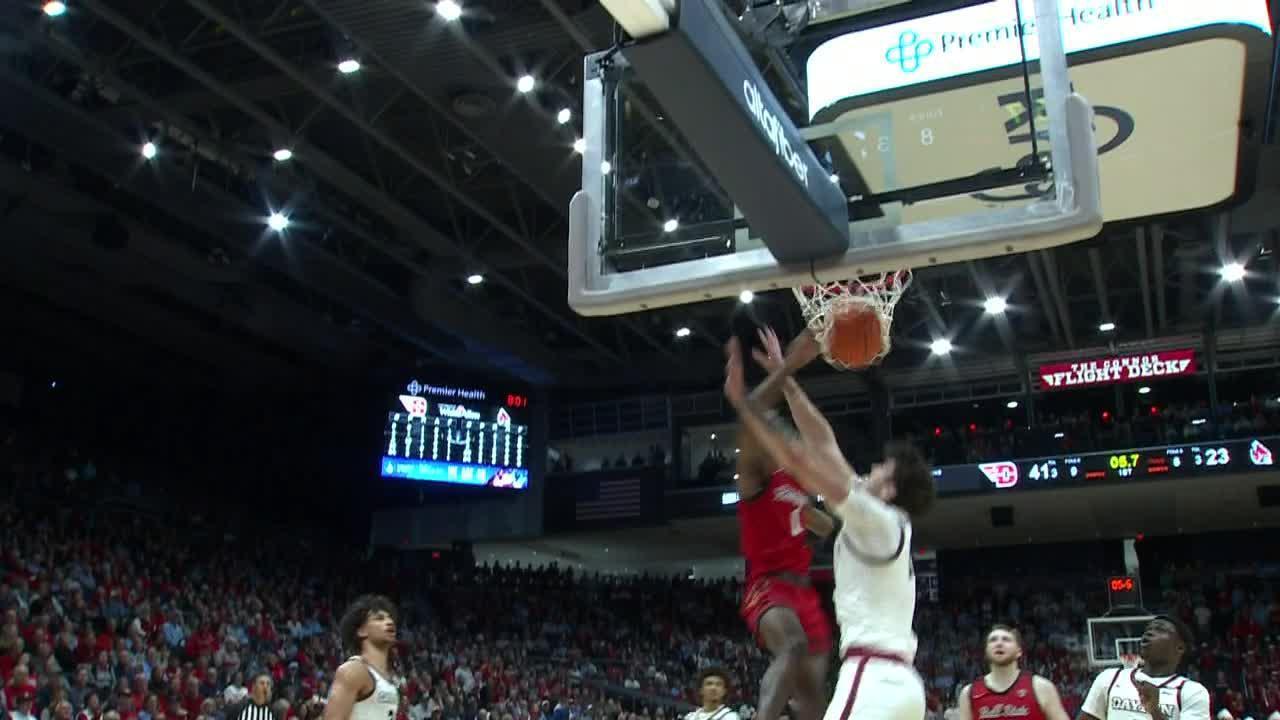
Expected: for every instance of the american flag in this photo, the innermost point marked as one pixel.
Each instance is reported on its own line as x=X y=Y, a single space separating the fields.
x=610 y=500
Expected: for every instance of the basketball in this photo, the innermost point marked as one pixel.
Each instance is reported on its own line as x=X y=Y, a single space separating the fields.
x=854 y=338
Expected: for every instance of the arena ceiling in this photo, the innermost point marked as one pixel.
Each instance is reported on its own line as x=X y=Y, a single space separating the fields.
x=424 y=167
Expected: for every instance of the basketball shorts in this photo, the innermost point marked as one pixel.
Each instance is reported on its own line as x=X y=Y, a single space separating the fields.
x=766 y=593
x=876 y=689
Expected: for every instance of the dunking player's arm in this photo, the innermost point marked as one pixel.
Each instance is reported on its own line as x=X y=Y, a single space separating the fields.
x=810 y=459
x=753 y=463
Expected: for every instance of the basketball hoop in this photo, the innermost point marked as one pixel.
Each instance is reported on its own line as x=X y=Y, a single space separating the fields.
x=851 y=319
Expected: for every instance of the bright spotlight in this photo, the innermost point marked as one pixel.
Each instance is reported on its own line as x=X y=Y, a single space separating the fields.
x=149 y=150
x=1011 y=404
x=525 y=84
x=1144 y=390
x=564 y=116
x=670 y=225
x=277 y=221
x=606 y=167
x=282 y=155
x=995 y=305
x=1232 y=272
x=475 y=279
x=746 y=296
x=448 y=10
x=53 y=8
x=683 y=332
x=1106 y=327
x=834 y=178
x=580 y=146
x=941 y=346
x=348 y=66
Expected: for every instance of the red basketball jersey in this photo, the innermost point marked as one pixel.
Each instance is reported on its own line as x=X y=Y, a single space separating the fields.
x=771 y=528
x=1017 y=703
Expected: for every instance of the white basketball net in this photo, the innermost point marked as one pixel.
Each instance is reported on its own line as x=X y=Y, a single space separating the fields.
x=820 y=304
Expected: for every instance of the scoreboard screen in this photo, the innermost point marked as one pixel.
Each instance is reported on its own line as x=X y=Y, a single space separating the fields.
x=457 y=436
x=1220 y=457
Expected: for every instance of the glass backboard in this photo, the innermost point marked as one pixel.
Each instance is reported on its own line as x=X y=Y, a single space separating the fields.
x=954 y=136
x=1115 y=641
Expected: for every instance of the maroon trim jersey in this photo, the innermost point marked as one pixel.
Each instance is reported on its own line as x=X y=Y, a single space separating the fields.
x=771 y=529
x=1017 y=702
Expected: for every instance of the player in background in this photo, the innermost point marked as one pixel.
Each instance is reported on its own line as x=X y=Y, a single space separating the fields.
x=1007 y=691
x=362 y=688
x=713 y=688
x=1154 y=690
x=779 y=604
x=875 y=584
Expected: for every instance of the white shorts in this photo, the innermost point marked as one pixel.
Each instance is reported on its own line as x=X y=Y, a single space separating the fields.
x=876 y=689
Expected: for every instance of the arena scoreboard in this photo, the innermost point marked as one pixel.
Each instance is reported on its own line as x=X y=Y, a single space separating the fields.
x=1153 y=463
x=457 y=436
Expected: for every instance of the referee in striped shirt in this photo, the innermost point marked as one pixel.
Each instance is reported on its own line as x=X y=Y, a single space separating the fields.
x=258 y=705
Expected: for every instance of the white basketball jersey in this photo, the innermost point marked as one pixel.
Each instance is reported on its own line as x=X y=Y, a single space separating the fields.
x=382 y=703
x=875 y=593
x=1114 y=696
x=724 y=712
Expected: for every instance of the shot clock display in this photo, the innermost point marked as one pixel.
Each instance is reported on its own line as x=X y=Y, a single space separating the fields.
x=1210 y=458
x=459 y=436
x=1124 y=591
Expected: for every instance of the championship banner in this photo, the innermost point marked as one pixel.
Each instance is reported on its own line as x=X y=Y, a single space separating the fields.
x=1124 y=369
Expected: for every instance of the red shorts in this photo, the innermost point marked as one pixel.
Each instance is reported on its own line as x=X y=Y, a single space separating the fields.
x=766 y=593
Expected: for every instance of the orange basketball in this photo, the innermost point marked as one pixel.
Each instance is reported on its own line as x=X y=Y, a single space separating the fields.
x=854 y=337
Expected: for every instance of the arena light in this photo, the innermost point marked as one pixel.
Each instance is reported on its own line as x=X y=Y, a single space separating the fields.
x=448 y=10
x=995 y=305
x=941 y=346
x=671 y=225
x=683 y=332
x=640 y=18
x=282 y=155
x=347 y=66
x=580 y=146
x=1144 y=390
x=278 y=221
x=1059 y=435
x=606 y=167
x=1011 y=404
x=1106 y=327
x=53 y=8
x=564 y=116
x=833 y=177
x=475 y=279
x=149 y=150
x=525 y=84
x=1232 y=272
x=746 y=296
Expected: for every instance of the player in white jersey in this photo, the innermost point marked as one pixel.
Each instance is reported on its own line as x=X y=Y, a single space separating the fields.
x=875 y=584
x=1154 y=690
x=362 y=688
x=713 y=687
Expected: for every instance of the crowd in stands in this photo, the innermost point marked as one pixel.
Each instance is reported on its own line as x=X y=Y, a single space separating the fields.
x=110 y=613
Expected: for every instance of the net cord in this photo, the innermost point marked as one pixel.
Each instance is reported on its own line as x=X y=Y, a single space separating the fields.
x=823 y=303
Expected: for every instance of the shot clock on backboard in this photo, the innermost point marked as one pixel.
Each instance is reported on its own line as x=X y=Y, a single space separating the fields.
x=946 y=132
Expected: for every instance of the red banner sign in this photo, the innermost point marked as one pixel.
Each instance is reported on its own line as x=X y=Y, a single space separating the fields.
x=1128 y=368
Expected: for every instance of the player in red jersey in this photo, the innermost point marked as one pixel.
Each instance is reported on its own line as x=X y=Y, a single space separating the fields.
x=1008 y=691
x=779 y=604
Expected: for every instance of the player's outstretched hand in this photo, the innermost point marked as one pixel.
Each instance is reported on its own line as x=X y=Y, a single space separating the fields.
x=735 y=384
x=769 y=354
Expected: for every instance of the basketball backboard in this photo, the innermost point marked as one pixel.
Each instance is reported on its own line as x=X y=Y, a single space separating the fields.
x=927 y=125
x=1115 y=641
